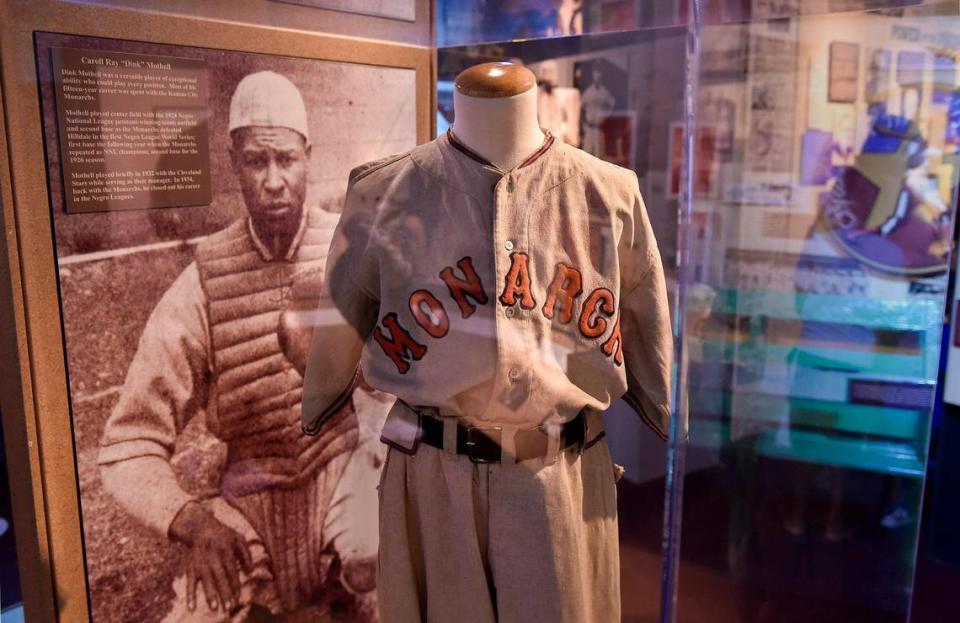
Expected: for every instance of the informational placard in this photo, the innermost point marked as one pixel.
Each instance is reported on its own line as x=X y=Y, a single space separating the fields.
x=132 y=130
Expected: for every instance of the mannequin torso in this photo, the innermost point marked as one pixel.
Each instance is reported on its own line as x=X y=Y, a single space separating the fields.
x=442 y=268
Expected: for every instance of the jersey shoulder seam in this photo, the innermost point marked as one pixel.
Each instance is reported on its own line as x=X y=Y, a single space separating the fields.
x=600 y=162
x=365 y=170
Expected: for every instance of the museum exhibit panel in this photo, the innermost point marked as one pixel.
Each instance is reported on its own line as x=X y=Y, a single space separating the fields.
x=176 y=181
x=183 y=185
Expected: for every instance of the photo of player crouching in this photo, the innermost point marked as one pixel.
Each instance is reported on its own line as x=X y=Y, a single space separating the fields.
x=292 y=533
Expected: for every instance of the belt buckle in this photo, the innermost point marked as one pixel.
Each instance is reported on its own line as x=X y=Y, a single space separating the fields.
x=482 y=446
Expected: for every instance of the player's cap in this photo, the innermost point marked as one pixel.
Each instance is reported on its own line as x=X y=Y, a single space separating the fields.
x=266 y=98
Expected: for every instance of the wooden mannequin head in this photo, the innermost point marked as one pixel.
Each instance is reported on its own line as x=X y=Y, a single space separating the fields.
x=489 y=80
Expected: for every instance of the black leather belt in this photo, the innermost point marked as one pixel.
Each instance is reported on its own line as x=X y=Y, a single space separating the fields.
x=483 y=443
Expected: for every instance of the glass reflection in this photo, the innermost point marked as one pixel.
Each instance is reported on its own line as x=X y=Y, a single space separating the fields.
x=462 y=22
x=820 y=241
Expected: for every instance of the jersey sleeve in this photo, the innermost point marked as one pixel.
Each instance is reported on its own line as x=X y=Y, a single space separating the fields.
x=166 y=386
x=645 y=321
x=346 y=312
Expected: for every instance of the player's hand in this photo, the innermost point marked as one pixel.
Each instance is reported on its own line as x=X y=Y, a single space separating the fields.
x=217 y=554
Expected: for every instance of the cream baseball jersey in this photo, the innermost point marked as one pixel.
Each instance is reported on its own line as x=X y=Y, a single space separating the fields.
x=518 y=297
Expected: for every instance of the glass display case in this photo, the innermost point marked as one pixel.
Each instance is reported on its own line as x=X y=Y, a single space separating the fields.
x=798 y=161
x=818 y=254
x=617 y=96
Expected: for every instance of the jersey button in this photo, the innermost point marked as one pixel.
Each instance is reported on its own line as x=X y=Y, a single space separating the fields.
x=510 y=185
x=514 y=374
x=508 y=245
x=510 y=312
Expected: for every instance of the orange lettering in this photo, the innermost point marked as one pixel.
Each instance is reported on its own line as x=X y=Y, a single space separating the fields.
x=608 y=345
x=600 y=300
x=460 y=289
x=400 y=346
x=434 y=321
x=518 y=282
x=567 y=285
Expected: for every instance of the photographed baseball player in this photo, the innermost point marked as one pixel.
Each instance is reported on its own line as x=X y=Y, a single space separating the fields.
x=596 y=104
x=507 y=288
x=290 y=508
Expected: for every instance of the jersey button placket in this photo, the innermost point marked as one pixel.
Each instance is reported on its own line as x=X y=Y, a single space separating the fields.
x=513 y=220
x=502 y=220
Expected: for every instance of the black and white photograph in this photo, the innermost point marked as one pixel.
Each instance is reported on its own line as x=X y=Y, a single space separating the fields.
x=201 y=498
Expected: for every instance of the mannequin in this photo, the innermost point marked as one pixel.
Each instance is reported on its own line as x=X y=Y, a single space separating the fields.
x=495 y=108
x=506 y=288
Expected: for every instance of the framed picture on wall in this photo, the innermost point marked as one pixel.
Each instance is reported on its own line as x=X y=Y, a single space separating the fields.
x=944 y=77
x=844 y=72
x=719 y=109
x=705 y=161
x=161 y=273
x=675 y=166
x=910 y=64
x=618 y=138
x=173 y=284
x=876 y=87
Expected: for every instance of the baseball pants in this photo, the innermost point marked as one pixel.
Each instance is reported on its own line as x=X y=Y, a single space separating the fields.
x=513 y=542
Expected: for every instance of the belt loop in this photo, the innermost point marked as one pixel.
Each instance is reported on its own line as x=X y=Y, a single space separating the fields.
x=508 y=444
x=449 y=434
x=594 y=429
x=585 y=417
x=553 y=430
x=597 y=424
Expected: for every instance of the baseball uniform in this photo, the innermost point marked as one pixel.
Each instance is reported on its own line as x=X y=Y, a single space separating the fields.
x=509 y=302
x=212 y=348
x=296 y=497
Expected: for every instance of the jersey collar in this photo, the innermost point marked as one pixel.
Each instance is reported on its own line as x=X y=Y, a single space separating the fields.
x=458 y=145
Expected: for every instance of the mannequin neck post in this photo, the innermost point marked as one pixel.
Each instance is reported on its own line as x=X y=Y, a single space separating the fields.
x=504 y=130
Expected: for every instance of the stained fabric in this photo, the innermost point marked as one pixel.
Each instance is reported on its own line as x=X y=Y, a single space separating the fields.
x=516 y=296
